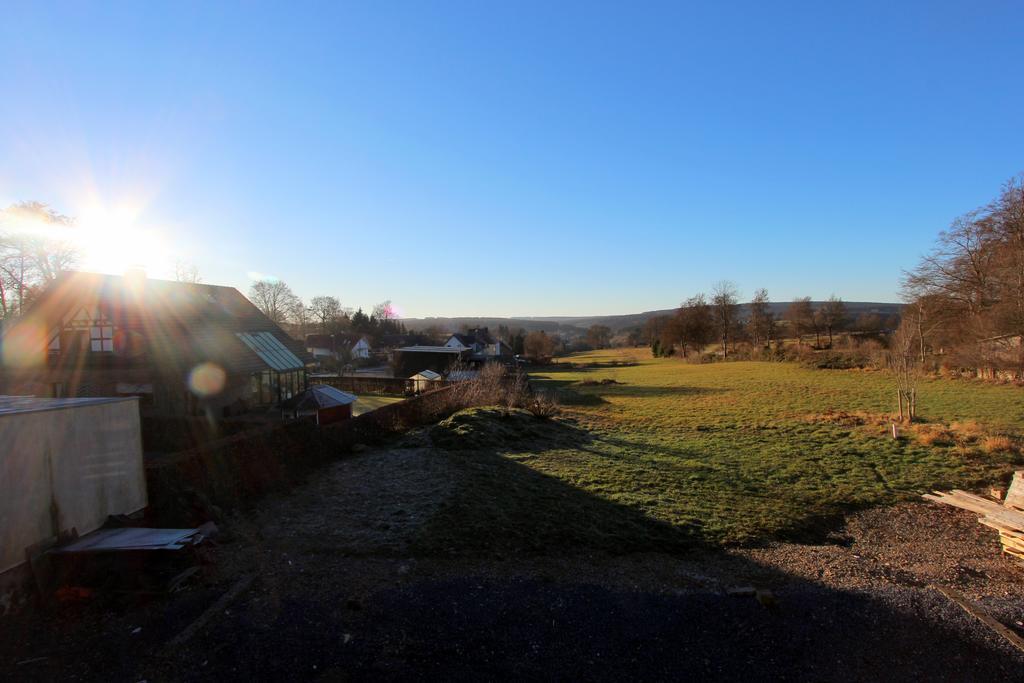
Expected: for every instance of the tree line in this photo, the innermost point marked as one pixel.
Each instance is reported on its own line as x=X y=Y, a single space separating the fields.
x=324 y=314
x=719 y=318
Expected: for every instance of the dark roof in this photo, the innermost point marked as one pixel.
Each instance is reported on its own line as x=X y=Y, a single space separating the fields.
x=477 y=335
x=339 y=340
x=319 y=396
x=183 y=323
x=319 y=341
x=429 y=349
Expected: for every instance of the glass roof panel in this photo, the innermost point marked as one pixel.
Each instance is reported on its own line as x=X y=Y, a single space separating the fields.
x=270 y=350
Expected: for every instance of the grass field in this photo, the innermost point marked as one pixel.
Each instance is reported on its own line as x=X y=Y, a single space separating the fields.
x=720 y=453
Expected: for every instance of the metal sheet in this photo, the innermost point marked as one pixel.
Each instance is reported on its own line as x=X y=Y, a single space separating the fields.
x=108 y=540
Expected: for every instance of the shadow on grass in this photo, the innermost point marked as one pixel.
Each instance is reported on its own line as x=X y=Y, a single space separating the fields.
x=575 y=392
x=502 y=508
x=572 y=397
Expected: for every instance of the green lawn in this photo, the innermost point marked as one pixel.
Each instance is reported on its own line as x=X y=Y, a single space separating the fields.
x=733 y=452
x=368 y=402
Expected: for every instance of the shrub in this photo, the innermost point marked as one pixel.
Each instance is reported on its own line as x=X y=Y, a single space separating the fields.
x=543 y=406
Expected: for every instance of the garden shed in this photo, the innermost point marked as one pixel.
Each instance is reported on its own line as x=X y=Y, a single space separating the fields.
x=323 y=402
x=426 y=380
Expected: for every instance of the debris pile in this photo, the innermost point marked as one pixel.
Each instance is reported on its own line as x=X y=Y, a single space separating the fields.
x=1007 y=517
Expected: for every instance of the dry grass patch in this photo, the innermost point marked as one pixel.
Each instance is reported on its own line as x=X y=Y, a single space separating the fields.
x=998 y=444
x=968 y=430
x=933 y=435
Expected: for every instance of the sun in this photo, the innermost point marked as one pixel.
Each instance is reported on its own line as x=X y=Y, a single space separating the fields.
x=114 y=240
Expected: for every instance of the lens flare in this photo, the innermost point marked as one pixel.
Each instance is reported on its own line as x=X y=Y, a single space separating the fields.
x=24 y=345
x=207 y=379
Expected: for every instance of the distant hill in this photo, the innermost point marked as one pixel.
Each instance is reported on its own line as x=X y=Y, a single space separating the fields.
x=619 y=322
x=454 y=324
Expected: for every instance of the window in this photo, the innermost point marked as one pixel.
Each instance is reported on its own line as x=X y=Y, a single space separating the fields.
x=101 y=338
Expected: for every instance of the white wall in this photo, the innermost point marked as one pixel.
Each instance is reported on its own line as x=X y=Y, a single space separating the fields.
x=64 y=468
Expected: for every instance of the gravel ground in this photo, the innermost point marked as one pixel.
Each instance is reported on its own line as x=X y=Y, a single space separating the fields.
x=339 y=595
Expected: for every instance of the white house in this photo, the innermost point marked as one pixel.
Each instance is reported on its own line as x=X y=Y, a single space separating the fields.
x=461 y=341
x=481 y=345
x=361 y=349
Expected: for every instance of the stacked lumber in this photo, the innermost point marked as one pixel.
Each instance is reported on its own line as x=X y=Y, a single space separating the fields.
x=1007 y=517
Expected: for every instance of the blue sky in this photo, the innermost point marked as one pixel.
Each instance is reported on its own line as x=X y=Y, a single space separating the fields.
x=522 y=159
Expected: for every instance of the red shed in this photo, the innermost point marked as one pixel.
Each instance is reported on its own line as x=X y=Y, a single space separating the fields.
x=324 y=402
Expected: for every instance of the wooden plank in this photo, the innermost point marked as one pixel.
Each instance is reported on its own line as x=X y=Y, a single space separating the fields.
x=1014 y=553
x=977 y=500
x=967 y=501
x=1011 y=543
x=1015 y=494
x=1010 y=538
x=1000 y=526
x=972 y=503
x=981 y=615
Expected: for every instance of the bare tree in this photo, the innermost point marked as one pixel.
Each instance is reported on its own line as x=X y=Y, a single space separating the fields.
x=929 y=318
x=800 y=315
x=974 y=284
x=186 y=272
x=832 y=315
x=762 y=320
x=31 y=256
x=960 y=267
x=539 y=347
x=652 y=328
x=384 y=311
x=599 y=336
x=903 y=361
x=275 y=298
x=691 y=328
x=326 y=311
x=725 y=307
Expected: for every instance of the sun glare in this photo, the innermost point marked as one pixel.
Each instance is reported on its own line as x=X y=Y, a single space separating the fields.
x=109 y=240
x=113 y=241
